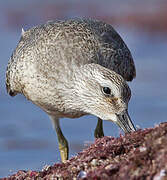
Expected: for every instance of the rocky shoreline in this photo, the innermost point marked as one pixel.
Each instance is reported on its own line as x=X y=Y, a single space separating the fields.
x=139 y=155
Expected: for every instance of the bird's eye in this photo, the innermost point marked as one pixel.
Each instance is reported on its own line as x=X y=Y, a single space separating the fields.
x=106 y=90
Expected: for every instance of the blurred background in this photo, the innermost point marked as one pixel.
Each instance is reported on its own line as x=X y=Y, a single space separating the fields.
x=27 y=139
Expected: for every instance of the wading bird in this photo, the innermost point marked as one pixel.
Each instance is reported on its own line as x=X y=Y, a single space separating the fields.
x=73 y=68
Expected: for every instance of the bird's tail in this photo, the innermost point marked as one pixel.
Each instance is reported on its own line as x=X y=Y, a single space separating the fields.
x=9 y=88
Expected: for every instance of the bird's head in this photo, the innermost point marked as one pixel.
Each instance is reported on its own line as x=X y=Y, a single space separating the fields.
x=103 y=93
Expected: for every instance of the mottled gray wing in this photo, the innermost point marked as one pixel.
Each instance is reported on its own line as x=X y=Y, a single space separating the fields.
x=114 y=53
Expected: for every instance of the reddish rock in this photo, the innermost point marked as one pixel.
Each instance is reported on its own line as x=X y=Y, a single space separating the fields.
x=139 y=155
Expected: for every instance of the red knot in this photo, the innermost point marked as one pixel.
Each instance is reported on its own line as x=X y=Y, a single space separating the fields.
x=73 y=68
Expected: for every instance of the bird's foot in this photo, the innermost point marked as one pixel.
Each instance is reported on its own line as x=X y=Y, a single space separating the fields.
x=98 y=133
x=63 y=148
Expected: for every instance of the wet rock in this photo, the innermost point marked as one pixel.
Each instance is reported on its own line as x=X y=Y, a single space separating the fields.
x=139 y=155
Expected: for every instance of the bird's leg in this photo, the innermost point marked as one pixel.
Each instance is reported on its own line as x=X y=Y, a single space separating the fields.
x=63 y=143
x=98 y=133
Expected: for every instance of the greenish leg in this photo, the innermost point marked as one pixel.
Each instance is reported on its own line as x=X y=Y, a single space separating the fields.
x=63 y=143
x=98 y=133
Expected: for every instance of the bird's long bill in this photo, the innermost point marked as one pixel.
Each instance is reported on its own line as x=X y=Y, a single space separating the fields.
x=124 y=122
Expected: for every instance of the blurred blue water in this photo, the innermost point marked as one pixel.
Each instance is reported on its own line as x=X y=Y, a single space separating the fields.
x=27 y=139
